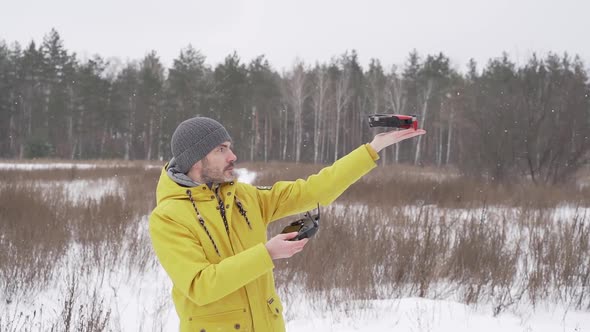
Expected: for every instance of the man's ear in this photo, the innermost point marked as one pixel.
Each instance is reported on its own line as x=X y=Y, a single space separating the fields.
x=197 y=167
x=194 y=173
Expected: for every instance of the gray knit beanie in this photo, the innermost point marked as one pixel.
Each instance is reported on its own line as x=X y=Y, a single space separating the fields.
x=194 y=138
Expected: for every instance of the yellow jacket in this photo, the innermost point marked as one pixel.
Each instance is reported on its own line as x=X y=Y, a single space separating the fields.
x=225 y=282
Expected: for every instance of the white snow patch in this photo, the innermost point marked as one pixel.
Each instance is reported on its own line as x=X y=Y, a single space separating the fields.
x=418 y=314
x=80 y=190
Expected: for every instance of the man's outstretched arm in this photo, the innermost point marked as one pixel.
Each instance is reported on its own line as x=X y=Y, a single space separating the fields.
x=289 y=197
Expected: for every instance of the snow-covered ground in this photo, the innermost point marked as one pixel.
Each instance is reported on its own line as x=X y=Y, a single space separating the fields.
x=139 y=300
x=143 y=304
x=83 y=189
x=418 y=314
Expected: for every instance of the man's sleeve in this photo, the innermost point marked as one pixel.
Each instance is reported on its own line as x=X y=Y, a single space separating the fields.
x=184 y=259
x=286 y=198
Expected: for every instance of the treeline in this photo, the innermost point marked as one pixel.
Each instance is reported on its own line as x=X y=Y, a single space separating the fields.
x=502 y=121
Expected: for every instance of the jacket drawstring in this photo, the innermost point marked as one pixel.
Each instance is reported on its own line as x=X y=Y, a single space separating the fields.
x=241 y=209
x=201 y=221
x=222 y=211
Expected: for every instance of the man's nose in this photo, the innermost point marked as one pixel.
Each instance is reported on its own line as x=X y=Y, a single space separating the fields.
x=232 y=156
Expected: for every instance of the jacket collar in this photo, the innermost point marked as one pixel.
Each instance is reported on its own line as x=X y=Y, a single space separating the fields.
x=173 y=185
x=177 y=176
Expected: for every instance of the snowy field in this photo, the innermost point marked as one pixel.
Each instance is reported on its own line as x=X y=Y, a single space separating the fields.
x=138 y=298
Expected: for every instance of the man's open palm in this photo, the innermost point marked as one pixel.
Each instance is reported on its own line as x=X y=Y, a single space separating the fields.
x=383 y=140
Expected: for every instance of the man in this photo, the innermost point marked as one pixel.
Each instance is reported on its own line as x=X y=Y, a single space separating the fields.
x=209 y=231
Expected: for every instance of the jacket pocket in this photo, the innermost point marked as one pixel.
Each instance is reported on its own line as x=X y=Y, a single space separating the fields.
x=234 y=320
x=274 y=305
x=276 y=313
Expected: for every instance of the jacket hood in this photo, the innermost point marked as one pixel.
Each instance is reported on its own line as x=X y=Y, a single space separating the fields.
x=178 y=176
x=172 y=184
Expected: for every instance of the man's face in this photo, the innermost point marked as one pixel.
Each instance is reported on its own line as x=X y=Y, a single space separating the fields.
x=218 y=165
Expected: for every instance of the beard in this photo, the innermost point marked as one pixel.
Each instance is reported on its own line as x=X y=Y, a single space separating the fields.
x=210 y=174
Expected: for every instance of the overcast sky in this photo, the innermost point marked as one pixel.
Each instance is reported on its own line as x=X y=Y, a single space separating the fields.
x=312 y=30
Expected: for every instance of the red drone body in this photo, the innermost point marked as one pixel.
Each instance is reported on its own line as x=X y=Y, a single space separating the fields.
x=393 y=121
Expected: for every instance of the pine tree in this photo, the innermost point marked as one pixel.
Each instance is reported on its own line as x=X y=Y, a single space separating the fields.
x=58 y=79
x=231 y=100
x=189 y=90
x=32 y=132
x=492 y=116
x=264 y=102
x=7 y=87
x=150 y=100
x=90 y=122
x=125 y=108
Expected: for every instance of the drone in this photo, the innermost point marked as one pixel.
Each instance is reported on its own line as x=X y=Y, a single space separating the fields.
x=393 y=121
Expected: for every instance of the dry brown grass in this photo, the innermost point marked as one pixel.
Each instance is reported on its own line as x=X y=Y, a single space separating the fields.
x=77 y=173
x=483 y=257
x=398 y=185
x=39 y=226
x=34 y=235
x=505 y=248
x=73 y=314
